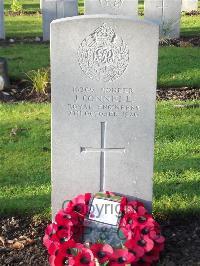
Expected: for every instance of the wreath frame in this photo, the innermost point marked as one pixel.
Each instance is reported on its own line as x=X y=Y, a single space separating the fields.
x=142 y=245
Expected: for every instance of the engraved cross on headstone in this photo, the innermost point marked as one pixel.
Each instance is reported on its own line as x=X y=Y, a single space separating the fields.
x=163 y=4
x=102 y=150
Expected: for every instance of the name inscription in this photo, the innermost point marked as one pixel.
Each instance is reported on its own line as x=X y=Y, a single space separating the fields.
x=103 y=102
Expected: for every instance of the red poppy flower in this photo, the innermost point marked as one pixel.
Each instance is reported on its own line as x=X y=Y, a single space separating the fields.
x=64 y=233
x=70 y=218
x=78 y=205
x=102 y=252
x=134 y=248
x=160 y=247
x=127 y=221
x=66 y=247
x=157 y=237
x=121 y=257
x=51 y=240
x=52 y=260
x=142 y=221
x=152 y=256
x=126 y=225
x=50 y=233
x=132 y=206
x=144 y=241
x=63 y=259
x=124 y=234
x=85 y=257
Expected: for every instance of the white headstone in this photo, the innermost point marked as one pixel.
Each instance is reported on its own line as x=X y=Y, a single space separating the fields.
x=115 y=7
x=165 y=12
x=103 y=106
x=189 y=5
x=55 y=9
x=2 y=31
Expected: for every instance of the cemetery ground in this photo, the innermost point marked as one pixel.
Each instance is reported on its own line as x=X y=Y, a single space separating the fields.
x=25 y=145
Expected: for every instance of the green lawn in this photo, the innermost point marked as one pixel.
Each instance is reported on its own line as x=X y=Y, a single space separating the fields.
x=24 y=57
x=25 y=159
x=177 y=66
x=23 y=26
x=190 y=25
x=177 y=157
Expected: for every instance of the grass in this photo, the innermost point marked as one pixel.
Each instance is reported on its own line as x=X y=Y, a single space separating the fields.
x=177 y=175
x=177 y=66
x=23 y=26
x=25 y=159
x=25 y=57
x=190 y=26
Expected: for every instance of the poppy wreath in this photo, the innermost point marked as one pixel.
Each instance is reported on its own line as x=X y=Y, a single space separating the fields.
x=142 y=246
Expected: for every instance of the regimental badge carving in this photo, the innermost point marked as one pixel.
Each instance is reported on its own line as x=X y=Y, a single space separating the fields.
x=111 y=3
x=103 y=56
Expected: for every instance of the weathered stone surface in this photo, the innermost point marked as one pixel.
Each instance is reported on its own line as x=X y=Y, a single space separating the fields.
x=189 y=5
x=2 y=30
x=52 y=9
x=167 y=14
x=103 y=103
x=115 y=7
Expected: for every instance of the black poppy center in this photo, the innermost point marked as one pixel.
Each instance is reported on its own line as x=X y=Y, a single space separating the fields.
x=84 y=260
x=132 y=251
x=150 y=253
x=68 y=251
x=130 y=221
x=141 y=261
x=66 y=261
x=142 y=242
x=64 y=239
x=121 y=259
x=67 y=216
x=60 y=227
x=145 y=231
x=77 y=208
x=142 y=219
x=101 y=254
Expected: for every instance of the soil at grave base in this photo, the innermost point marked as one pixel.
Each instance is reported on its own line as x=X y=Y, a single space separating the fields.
x=24 y=12
x=20 y=91
x=21 y=242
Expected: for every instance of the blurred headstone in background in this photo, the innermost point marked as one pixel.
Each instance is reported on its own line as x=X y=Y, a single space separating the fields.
x=4 y=73
x=55 y=9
